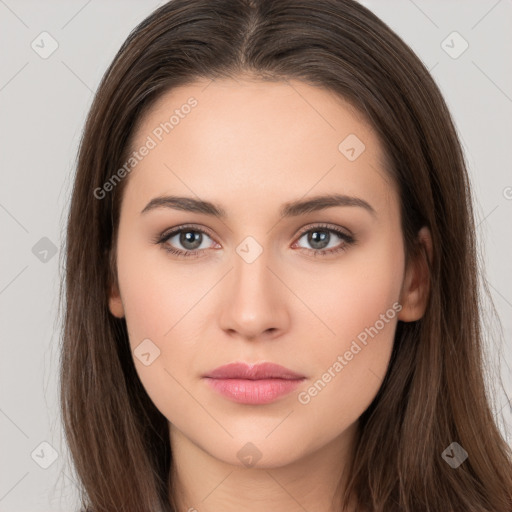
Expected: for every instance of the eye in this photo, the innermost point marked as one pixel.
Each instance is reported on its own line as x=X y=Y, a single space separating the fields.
x=320 y=238
x=190 y=238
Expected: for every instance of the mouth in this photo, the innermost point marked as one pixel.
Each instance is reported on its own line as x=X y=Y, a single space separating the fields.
x=253 y=384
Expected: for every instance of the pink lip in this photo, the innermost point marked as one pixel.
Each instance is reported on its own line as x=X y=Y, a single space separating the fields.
x=253 y=372
x=253 y=384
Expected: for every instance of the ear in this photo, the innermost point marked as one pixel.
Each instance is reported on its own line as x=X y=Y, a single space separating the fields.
x=416 y=285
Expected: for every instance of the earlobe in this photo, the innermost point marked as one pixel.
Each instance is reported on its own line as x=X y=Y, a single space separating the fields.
x=114 y=302
x=416 y=286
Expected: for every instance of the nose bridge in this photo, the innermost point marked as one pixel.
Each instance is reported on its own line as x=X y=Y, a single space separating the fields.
x=254 y=303
x=251 y=274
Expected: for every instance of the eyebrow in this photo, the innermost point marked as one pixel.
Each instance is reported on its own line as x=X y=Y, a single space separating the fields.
x=289 y=209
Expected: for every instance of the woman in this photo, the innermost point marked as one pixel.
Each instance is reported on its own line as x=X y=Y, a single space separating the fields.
x=271 y=279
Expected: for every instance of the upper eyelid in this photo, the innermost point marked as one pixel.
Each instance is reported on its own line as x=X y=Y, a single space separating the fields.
x=173 y=231
x=325 y=226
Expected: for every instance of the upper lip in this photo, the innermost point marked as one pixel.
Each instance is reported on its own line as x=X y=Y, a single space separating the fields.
x=253 y=372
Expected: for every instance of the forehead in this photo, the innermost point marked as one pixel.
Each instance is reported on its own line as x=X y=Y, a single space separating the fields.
x=253 y=140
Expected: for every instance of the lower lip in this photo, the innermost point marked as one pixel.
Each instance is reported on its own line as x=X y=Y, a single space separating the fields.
x=255 y=392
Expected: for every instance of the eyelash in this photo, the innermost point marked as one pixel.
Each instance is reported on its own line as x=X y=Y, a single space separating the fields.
x=162 y=239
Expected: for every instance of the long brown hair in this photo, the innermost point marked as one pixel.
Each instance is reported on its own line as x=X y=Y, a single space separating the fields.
x=434 y=391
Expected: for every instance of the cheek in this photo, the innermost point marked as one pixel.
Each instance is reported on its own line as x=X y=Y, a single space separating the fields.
x=156 y=294
x=163 y=303
x=358 y=301
x=352 y=294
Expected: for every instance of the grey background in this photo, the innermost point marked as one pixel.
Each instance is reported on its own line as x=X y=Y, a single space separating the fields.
x=43 y=104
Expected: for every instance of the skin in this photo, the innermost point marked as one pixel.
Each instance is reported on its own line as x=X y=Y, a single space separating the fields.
x=251 y=146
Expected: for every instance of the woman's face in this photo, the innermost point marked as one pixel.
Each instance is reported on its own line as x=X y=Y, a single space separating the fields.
x=254 y=290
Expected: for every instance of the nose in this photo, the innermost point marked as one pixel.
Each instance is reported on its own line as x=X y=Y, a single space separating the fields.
x=255 y=300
